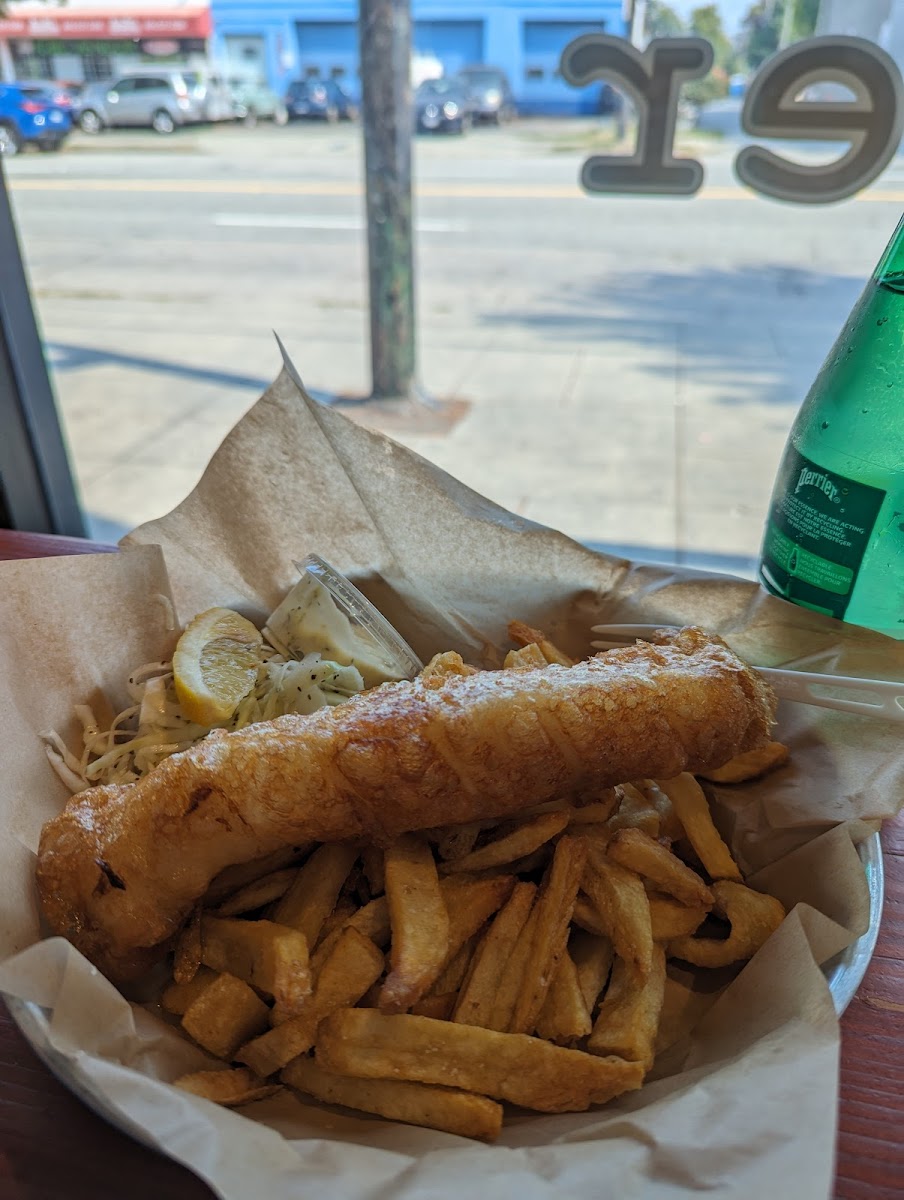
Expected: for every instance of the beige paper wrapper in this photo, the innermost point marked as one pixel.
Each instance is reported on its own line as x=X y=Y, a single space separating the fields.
x=743 y=1105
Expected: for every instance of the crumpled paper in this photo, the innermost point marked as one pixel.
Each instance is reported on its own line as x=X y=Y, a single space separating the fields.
x=743 y=1104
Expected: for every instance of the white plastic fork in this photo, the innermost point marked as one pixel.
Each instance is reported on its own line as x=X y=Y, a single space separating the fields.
x=874 y=697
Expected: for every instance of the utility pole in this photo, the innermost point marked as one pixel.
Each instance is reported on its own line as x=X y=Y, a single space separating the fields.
x=385 y=44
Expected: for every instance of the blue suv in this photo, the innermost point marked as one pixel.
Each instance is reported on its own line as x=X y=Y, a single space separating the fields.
x=29 y=115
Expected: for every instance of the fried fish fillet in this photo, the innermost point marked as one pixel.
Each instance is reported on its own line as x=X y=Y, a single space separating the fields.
x=121 y=867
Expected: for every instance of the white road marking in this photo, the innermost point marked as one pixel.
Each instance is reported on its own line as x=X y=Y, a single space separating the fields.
x=322 y=221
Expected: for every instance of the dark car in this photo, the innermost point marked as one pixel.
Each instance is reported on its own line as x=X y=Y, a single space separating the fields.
x=491 y=94
x=322 y=99
x=29 y=115
x=443 y=106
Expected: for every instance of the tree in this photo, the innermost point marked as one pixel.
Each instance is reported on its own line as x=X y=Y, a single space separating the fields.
x=764 y=23
x=662 y=21
x=762 y=29
x=706 y=22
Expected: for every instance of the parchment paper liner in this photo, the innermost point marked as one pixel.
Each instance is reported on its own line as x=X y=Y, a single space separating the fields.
x=747 y=1102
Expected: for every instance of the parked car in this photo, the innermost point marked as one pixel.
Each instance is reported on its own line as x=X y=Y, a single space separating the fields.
x=253 y=101
x=320 y=98
x=30 y=116
x=212 y=92
x=443 y=106
x=65 y=95
x=160 y=101
x=491 y=94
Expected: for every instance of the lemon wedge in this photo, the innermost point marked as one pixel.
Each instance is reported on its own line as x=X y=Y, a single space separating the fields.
x=215 y=665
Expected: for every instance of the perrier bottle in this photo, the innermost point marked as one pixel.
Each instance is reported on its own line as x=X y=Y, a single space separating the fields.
x=834 y=539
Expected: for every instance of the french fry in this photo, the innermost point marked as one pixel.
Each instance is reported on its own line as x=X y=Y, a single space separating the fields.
x=750 y=765
x=345 y=909
x=372 y=862
x=507 y=1066
x=639 y=852
x=527 y=658
x=691 y=806
x=524 y=635
x=671 y=919
x=453 y=973
x=177 y=997
x=440 y=999
x=635 y=811
x=628 y=1016
x=444 y=666
x=554 y=906
x=419 y=920
x=669 y=825
x=683 y=1007
x=564 y=1017
x=594 y=814
x=313 y=895
x=345 y=976
x=439 y=1005
x=754 y=917
x=187 y=958
x=458 y=840
x=229 y=1088
x=230 y=879
x=619 y=897
x=227 y=1013
x=512 y=982
x=270 y=957
x=592 y=957
x=538 y=861
x=373 y=921
x=258 y=893
x=524 y=840
x=479 y=992
x=470 y=903
x=587 y=918
x=412 y=1103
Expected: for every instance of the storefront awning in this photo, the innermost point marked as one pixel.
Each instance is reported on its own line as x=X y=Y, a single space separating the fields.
x=182 y=23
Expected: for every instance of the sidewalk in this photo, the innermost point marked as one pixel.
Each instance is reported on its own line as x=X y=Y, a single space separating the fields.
x=624 y=370
x=531 y=432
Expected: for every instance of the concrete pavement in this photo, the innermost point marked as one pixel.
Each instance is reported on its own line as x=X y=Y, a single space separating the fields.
x=626 y=369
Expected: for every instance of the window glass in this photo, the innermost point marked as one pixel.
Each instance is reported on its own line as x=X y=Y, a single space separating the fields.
x=624 y=367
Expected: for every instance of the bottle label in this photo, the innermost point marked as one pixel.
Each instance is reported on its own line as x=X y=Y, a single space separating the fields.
x=819 y=527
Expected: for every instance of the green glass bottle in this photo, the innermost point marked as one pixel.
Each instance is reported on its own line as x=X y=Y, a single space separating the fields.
x=834 y=538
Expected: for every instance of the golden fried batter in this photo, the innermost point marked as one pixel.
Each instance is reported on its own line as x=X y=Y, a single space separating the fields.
x=122 y=866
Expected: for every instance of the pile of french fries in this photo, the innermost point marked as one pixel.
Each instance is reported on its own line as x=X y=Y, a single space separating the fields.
x=522 y=961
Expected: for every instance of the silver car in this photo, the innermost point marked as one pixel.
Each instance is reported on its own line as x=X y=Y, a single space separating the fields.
x=160 y=101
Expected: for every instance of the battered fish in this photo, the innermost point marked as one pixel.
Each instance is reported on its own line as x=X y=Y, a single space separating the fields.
x=121 y=867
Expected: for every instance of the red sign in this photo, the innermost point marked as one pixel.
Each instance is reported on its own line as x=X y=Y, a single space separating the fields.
x=191 y=23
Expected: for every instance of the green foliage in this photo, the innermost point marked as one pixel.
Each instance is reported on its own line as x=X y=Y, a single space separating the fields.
x=763 y=27
x=713 y=86
x=662 y=21
x=806 y=14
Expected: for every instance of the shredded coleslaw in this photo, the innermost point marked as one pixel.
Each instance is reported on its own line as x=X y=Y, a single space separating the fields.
x=290 y=679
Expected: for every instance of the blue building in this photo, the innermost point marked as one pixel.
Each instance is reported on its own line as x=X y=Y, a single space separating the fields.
x=299 y=39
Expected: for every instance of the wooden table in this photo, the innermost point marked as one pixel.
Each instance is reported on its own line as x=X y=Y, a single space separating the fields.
x=52 y=1146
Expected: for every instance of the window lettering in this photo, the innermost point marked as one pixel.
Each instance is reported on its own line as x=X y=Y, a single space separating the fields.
x=652 y=79
x=873 y=122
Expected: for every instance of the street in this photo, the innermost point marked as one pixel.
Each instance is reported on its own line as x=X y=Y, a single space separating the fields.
x=626 y=369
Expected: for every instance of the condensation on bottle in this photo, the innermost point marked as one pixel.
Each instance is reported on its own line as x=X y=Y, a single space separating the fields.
x=834 y=537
